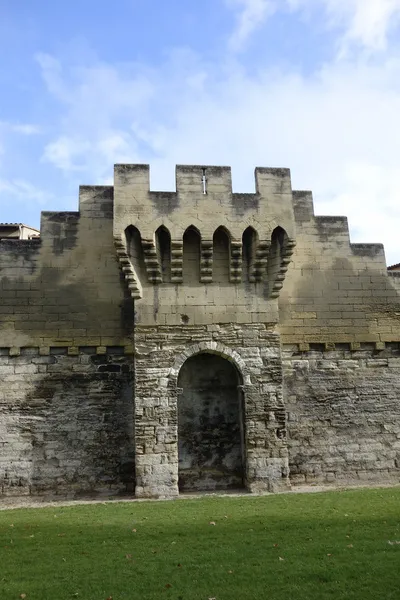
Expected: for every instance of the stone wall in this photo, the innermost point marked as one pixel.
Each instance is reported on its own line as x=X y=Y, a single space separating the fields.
x=336 y=291
x=343 y=413
x=160 y=353
x=168 y=275
x=66 y=421
x=66 y=287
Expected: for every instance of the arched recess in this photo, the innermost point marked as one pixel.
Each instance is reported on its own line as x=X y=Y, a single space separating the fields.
x=210 y=424
x=191 y=255
x=163 y=245
x=135 y=252
x=221 y=255
x=279 y=240
x=249 y=249
x=265 y=460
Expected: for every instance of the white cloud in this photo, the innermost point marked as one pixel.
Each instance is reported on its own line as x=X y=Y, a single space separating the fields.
x=21 y=128
x=366 y=23
x=23 y=191
x=94 y=153
x=64 y=151
x=95 y=99
x=250 y=15
x=370 y=198
x=26 y=129
x=53 y=76
x=9 y=129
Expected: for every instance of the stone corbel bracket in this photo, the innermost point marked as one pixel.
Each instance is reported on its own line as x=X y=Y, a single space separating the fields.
x=206 y=261
x=176 y=261
x=235 y=267
x=286 y=258
x=260 y=261
x=132 y=280
x=151 y=261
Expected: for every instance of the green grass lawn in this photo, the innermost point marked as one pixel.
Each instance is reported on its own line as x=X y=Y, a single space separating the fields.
x=300 y=546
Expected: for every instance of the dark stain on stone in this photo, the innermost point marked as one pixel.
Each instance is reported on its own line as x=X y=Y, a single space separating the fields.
x=210 y=444
x=127 y=311
x=110 y=368
x=303 y=206
x=164 y=202
x=101 y=202
x=277 y=171
x=367 y=249
x=123 y=172
x=61 y=217
x=63 y=227
x=156 y=301
x=28 y=250
x=107 y=210
x=243 y=203
x=81 y=430
x=328 y=227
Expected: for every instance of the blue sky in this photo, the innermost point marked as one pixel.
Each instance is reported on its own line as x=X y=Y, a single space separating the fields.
x=313 y=85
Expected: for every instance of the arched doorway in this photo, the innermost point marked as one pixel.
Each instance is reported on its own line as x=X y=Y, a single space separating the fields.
x=210 y=424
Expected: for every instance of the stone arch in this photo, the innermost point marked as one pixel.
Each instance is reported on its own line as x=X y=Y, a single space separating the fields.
x=225 y=230
x=210 y=423
x=191 y=247
x=211 y=348
x=265 y=453
x=163 y=246
x=279 y=257
x=133 y=241
x=221 y=255
x=250 y=241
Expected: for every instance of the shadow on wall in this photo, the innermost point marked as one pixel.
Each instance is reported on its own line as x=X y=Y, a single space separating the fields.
x=343 y=301
x=81 y=423
x=194 y=260
x=191 y=255
x=210 y=424
x=67 y=285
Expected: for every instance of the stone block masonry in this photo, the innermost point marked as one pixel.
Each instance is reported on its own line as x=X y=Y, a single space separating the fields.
x=254 y=350
x=66 y=422
x=158 y=342
x=343 y=413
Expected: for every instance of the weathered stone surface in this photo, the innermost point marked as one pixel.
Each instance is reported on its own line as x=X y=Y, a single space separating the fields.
x=66 y=424
x=265 y=453
x=210 y=424
x=344 y=416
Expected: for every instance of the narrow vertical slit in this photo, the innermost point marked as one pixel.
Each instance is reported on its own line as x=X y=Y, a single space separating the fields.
x=191 y=255
x=221 y=255
x=204 y=182
x=163 y=242
x=249 y=241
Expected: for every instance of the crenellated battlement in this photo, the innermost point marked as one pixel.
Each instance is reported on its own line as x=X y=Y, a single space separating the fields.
x=204 y=235
x=204 y=179
x=204 y=199
x=202 y=251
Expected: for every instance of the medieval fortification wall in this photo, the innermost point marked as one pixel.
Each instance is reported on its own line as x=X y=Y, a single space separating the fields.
x=109 y=320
